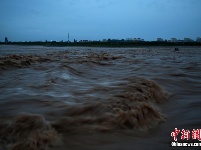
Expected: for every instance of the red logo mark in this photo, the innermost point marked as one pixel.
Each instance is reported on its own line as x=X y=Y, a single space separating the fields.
x=185 y=134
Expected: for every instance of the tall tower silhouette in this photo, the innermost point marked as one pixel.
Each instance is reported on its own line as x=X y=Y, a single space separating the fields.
x=6 y=40
x=68 y=37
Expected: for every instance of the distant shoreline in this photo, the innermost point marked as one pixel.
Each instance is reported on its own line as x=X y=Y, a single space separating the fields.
x=103 y=44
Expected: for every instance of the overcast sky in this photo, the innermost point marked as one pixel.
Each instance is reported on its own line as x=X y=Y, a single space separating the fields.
x=34 y=20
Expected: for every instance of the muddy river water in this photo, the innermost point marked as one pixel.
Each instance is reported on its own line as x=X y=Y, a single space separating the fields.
x=98 y=98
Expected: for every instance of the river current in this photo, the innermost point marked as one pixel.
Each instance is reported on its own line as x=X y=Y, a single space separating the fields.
x=98 y=98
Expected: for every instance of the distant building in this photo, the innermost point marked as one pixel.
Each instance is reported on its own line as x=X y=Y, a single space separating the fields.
x=134 y=39
x=180 y=41
x=104 y=40
x=188 y=40
x=115 y=40
x=84 y=41
x=173 y=40
x=129 y=39
x=159 y=39
x=6 y=40
x=198 y=39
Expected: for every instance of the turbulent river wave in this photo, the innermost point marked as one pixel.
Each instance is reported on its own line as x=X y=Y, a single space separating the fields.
x=97 y=98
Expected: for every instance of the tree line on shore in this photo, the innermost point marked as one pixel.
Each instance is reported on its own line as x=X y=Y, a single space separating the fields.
x=104 y=44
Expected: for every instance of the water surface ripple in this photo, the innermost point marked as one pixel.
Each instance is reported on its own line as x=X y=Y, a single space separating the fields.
x=97 y=98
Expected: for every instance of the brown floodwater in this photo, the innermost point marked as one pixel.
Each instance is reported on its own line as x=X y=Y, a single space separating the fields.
x=98 y=98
